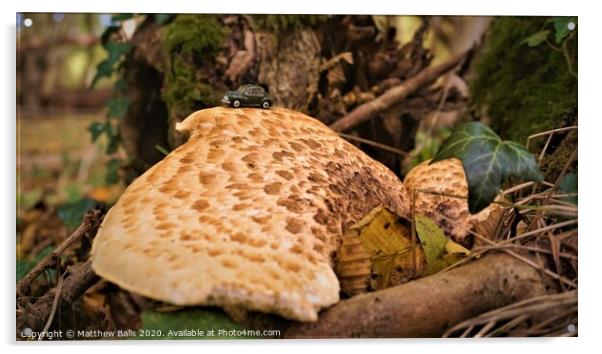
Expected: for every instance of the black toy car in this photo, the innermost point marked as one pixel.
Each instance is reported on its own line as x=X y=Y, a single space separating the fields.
x=248 y=96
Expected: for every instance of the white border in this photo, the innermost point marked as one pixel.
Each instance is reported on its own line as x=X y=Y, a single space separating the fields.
x=589 y=136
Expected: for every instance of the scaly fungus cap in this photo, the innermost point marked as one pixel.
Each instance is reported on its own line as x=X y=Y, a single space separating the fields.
x=437 y=188
x=248 y=212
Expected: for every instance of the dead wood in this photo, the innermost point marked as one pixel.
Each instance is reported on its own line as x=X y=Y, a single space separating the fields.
x=79 y=279
x=394 y=95
x=428 y=307
x=72 y=284
x=90 y=224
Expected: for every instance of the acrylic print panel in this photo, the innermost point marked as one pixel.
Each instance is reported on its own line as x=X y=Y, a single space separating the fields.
x=195 y=176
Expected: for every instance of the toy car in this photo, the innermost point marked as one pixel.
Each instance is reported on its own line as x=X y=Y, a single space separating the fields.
x=248 y=96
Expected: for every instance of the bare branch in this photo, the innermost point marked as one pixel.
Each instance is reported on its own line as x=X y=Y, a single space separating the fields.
x=396 y=94
x=88 y=228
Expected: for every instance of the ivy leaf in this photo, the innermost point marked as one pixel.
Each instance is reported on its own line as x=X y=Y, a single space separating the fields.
x=487 y=161
x=25 y=266
x=568 y=185
x=104 y=69
x=561 y=27
x=192 y=323
x=120 y=86
x=96 y=129
x=116 y=50
x=118 y=106
x=121 y=17
x=162 y=19
x=113 y=143
x=106 y=35
x=112 y=174
x=536 y=38
x=72 y=213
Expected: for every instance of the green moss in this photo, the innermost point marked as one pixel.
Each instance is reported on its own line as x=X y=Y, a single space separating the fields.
x=190 y=40
x=283 y=23
x=523 y=89
x=558 y=154
x=185 y=90
x=199 y=35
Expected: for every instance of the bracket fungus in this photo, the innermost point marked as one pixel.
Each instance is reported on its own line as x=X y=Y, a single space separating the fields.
x=378 y=250
x=248 y=212
x=440 y=191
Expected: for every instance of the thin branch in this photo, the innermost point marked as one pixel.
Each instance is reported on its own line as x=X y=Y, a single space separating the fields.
x=80 y=278
x=517 y=311
x=375 y=144
x=55 y=304
x=567 y=57
x=395 y=95
x=511 y=253
x=553 y=46
x=558 y=130
x=90 y=224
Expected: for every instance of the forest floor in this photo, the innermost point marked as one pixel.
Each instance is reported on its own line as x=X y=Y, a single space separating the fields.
x=57 y=161
x=60 y=173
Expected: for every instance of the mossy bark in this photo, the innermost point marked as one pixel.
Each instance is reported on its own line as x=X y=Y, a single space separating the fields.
x=189 y=65
x=324 y=66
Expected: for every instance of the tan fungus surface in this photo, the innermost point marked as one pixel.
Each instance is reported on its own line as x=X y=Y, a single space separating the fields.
x=248 y=212
x=444 y=177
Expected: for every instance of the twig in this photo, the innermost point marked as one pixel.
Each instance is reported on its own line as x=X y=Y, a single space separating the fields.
x=508 y=326
x=545 y=148
x=550 y=192
x=557 y=130
x=567 y=57
x=55 y=304
x=34 y=316
x=540 y=230
x=394 y=95
x=511 y=253
x=346 y=56
x=527 y=248
x=486 y=329
x=519 y=310
x=518 y=205
x=518 y=187
x=437 y=111
x=535 y=265
x=88 y=227
x=375 y=144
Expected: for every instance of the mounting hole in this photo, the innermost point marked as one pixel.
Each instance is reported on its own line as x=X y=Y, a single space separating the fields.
x=571 y=26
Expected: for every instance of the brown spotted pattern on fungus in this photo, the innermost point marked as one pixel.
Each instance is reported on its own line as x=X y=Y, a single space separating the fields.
x=446 y=181
x=248 y=212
